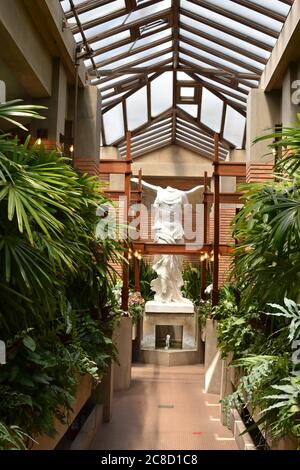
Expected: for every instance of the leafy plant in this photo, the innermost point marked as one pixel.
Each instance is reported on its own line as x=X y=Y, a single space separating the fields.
x=286 y=142
x=146 y=277
x=12 y=438
x=11 y=109
x=192 y=283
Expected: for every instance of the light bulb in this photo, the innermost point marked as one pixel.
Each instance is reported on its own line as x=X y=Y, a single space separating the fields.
x=39 y=141
x=136 y=254
x=72 y=148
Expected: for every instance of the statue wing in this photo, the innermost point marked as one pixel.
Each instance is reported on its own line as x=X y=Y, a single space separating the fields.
x=145 y=185
x=195 y=195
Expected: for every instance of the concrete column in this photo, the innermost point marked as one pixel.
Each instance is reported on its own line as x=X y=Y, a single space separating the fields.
x=56 y=104
x=123 y=341
x=290 y=95
x=263 y=113
x=88 y=124
x=213 y=361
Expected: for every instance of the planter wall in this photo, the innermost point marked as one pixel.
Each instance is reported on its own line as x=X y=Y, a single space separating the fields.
x=123 y=341
x=213 y=361
x=83 y=393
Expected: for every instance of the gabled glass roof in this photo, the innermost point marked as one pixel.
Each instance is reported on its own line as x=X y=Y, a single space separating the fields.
x=175 y=71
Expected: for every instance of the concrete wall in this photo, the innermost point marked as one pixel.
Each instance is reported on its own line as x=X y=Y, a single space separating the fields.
x=172 y=161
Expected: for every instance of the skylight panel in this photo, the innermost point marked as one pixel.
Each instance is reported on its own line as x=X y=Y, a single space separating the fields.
x=191 y=109
x=150 y=10
x=234 y=25
x=211 y=110
x=137 y=109
x=161 y=93
x=223 y=50
x=234 y=127
x=139 y=55
x=102 y=11
x=110 y=40
x=113 y=124
x=244 y=45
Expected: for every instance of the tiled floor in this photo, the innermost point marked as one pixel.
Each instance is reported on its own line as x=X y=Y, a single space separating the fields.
x=165 y=409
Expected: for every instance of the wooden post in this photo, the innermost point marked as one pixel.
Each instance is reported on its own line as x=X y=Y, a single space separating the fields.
x=125 y=287
x=137 y=287
x=216 y=242
x=205 y=237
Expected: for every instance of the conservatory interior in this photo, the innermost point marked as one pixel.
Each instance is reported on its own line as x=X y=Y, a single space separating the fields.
x=150 y=221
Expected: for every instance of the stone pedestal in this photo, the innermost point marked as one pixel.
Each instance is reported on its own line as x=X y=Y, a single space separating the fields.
x=170 y=314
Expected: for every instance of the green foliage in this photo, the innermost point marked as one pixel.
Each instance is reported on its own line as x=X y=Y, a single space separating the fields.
x=291 y=312
x=12 y=438
x=11 y=109
x=146 y=277
x=268 y=255
x=266 y=277
x=238 y=329
x=57 y=309
x=287 y=144
x=192 y=283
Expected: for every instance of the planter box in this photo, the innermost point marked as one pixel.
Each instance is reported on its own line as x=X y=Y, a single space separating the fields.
x=123 y=341
x=213 y=361
x=83 y=393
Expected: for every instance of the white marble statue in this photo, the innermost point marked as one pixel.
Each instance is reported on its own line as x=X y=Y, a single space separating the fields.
x=168 y=229
x=168 y=337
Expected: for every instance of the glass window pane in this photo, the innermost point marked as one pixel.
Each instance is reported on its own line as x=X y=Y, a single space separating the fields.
x=191 y=109
x=161 y=93
x=113 y=124
x=234 y=127
x=137 y=109
x=211 y=110
x=187 y=92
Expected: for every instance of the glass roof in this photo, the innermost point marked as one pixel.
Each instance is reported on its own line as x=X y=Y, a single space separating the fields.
x=175 y=71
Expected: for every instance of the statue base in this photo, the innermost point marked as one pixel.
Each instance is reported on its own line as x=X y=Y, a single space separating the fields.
x=153 y=306
x=177 y=319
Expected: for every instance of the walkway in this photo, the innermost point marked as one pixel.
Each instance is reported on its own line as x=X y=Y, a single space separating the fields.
x=165 y=408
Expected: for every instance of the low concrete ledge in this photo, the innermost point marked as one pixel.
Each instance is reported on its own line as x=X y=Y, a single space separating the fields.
x=45 y=442
x=244 y=442
x=178 y=357
x=88 y=430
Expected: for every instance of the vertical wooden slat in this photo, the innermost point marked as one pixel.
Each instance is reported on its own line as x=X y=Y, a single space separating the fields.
x=125 y=287
x=216 y=241
x=205 y=237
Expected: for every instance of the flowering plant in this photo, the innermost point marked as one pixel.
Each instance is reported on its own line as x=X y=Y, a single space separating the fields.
x=136 y=306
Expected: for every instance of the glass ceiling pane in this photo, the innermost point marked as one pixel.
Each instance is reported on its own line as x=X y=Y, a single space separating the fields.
x=100 y=12
x=223 y=36
x=234 y=127
x=133 y=45
x=212 y=57
x=191 y=109
x=161 y=93
x=113 y=124
x=139 y=55
x=216 y=47
x=211 y=110
x=234 y=25
x=111 y=40
x=137 y=109
x=275 y=5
